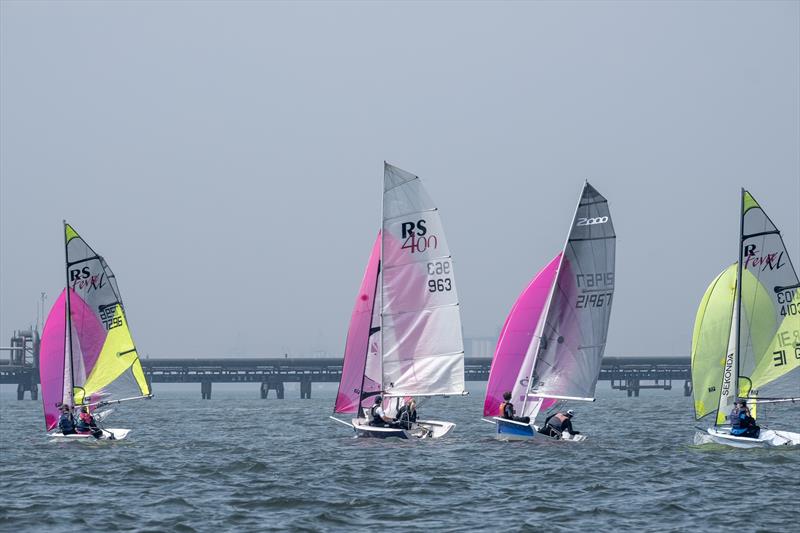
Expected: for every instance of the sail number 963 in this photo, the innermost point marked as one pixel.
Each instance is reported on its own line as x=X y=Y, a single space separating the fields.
x=439 y=268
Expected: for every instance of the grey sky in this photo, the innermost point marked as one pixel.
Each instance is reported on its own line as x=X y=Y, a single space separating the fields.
x=226 y=159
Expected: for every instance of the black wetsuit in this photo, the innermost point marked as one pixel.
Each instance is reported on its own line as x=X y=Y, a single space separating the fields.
x=558 y=426
x=66 y=424
x=406 y=417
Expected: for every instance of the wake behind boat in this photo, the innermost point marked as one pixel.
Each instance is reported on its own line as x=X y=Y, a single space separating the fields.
x=747 y=337
x=87 y=357
x=552 y=343
x=404 y=341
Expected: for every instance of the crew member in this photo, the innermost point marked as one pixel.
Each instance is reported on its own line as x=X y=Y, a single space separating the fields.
x=378 y=416
x=557 y=424
x=87 y=424
x=66 y=423
x=407 y=415
x=507 y=410
x=742 y=423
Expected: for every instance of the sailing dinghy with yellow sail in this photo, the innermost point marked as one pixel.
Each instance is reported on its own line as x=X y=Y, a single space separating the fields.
x=746 y=341
x=87 y=356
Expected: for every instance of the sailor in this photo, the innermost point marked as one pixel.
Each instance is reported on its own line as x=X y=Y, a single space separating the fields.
x=66 y=423
x=378 y=416
x=742 y=423
x=86 y=423
x=407 y=415
x=507 y=410
x=556 y=424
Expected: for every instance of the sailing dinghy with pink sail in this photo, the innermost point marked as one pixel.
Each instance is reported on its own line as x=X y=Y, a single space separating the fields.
x=550 y=348
x=87 y=357
x=404 y=338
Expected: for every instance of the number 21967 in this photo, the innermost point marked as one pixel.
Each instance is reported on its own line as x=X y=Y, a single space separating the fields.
x=594 y=300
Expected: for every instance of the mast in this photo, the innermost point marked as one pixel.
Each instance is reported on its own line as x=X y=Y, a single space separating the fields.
x=543 y=318
x=68 y=321
x=738 y=297
x=380 y=277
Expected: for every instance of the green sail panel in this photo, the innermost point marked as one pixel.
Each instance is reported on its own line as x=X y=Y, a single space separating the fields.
x=712 y=328
x=769 y=343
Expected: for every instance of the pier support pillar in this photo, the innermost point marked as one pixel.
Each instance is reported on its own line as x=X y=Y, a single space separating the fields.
x=272 y=383
x=31 y=386
x=632 y=387
x=205 y=389
x=687 y=388
x=305 y=388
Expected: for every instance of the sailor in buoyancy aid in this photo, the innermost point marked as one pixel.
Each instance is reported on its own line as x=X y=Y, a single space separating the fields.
x=377 y=416
x=558 y=423
x=66 y=423
x=507 y=410
x=87 y=424
x=742 y=423
x=407 y=415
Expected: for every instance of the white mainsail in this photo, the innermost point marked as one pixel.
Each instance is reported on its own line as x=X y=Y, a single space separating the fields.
x=421 y=339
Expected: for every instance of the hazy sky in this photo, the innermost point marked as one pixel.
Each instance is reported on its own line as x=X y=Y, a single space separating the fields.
x=227 y=158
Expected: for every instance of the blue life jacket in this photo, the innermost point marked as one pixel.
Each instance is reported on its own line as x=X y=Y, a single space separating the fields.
x=740 y=425
x=66 y=423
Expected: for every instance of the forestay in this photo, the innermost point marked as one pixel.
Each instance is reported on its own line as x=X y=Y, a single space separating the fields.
x=422 y=344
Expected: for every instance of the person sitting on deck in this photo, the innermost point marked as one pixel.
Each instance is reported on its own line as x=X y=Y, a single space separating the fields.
x=66 y=423
x=742 y=423
x=507 y=410
x=407 y=415
x=378 y=416
x=87 y=424
x=558 y=423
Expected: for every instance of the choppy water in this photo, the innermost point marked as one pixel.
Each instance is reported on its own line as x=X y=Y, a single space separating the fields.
x=240 y=463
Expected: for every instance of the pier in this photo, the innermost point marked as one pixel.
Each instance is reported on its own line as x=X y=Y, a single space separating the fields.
x=628 y=374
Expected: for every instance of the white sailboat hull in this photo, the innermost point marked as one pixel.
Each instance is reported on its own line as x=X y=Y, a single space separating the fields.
x=768 y=438
x=108 y=434
x=422 y=429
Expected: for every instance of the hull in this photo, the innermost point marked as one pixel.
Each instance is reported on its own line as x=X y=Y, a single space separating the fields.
x=108 y=434
x=423 y=429
x=508 y=430
x=767 y=439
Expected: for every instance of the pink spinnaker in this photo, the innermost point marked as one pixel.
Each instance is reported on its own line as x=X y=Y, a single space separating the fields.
x=90 y=335
x=51 y=360
x=516 y=337
x=358 y=337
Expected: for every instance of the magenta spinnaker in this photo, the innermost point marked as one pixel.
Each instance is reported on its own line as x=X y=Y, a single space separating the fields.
x=358 y=335
x=51 y=360
x=516 y=336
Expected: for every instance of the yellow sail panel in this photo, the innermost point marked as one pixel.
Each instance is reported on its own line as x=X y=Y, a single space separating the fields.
x=712 y=329
x=117 y=356
x=70 y=232
x=781 y=356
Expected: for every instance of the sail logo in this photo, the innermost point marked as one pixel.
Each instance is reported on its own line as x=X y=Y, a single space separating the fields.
x=591 y=221
x=726 y=379
x=83 y=279
x=771 y=261
x=109 y=317
x=416 y=238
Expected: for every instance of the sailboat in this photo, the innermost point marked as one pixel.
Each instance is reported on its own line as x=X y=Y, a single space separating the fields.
x=746 y=338
x=87 y=358
x=405 y=337
x=551 y=345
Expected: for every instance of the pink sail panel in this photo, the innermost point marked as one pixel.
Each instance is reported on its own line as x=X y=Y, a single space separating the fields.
x=358 y=338
x=51 y=360
x=516 y=337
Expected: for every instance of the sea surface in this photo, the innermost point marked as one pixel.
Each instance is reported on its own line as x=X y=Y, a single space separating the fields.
x=239 y=463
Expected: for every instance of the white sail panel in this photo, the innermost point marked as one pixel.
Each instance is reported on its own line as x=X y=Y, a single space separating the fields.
x=422 y=343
